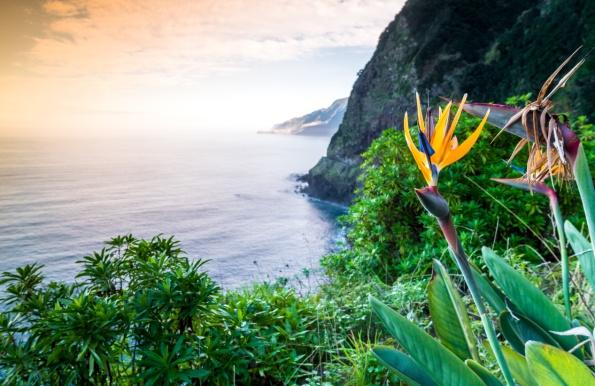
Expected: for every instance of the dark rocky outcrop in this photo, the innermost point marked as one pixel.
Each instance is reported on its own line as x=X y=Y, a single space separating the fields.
x=489 y=49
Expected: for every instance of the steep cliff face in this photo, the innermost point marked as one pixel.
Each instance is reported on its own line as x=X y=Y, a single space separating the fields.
x=323 y=122
x=489 y=49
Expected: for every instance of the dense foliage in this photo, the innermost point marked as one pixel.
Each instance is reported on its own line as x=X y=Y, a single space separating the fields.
x=143 y=313
x=146 y=314
x=539 y=344
x=390 y=234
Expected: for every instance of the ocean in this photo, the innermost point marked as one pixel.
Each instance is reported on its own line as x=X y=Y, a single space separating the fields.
x=229 y=199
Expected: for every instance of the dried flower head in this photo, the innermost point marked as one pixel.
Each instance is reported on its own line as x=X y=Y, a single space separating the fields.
x=552 y=145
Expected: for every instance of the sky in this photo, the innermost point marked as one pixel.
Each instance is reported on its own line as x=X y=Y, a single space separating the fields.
x=76 y=68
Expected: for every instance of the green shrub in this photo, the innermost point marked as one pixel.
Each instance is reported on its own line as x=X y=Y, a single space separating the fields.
x=144 y=312
x=267 y=334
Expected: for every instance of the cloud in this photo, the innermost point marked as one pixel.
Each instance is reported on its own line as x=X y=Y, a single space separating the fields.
x=103 y=65
x=61 y=8
x=197 y=38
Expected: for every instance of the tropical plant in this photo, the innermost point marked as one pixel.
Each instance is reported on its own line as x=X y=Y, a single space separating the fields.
x=169 y=366
x=21 y=285
x=440 y=148
x=544 y=349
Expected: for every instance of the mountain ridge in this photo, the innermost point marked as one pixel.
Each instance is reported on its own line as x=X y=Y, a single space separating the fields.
x=321 y=122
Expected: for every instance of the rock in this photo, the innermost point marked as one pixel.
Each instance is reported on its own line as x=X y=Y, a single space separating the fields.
x=331 y=180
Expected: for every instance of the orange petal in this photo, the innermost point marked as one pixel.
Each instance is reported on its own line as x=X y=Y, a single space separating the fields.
x=418 y=156
x=420 y=116
x=442 y=153
x=458 y=153
x=438 y=137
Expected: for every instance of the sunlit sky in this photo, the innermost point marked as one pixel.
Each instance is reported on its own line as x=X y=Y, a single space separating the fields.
x=149 y=67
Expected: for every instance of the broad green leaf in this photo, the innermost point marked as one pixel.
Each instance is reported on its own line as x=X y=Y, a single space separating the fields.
x=488 y=378
x=178 y=345
x=582 y=250
x=518 y=330
x=403 y=365
x=444 y=367
x=551 y=366
x=510 y=334
x=518 y=367
x=527 y=298
x=449 y=316
x=584 y=182
x=489 y=292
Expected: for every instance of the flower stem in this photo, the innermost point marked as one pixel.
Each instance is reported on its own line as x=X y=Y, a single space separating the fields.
x=559 y=219
x=450 y=233
x=584 y=182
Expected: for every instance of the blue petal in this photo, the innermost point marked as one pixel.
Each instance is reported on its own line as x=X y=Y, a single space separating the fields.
x=434 y=171
x=424 y=144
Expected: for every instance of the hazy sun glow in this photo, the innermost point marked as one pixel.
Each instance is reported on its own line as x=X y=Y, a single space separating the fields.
x=145 y=67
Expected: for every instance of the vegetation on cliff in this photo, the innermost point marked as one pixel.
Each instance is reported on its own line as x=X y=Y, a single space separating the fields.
x=390 y=233
x=489 y=49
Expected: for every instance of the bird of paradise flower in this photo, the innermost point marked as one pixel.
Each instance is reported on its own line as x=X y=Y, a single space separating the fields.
x=439 y=148
x=439 y=144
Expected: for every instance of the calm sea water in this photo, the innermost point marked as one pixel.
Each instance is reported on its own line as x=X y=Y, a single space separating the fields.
x=228 y=199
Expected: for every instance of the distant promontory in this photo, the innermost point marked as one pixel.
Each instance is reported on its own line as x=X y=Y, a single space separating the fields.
x=323 y=122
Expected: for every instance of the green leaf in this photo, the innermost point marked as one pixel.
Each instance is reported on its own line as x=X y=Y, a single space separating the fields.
x=178 y=345
x=488 y=378
x=527 y=298
x=403 y=365
x=584 y=182
x=449 y=316
x=444 y=367
x=195 y=373
x=91 y=366
x=551 y=366
x=518 y=330
x=510 y=334
x=518 y=367
x=582 y=249
x=489 y=292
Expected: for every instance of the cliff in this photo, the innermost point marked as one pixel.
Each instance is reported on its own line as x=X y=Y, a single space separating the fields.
x=323 y=122
x=489 y=49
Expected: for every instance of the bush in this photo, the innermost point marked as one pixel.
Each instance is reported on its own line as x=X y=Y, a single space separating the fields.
x=144 y=312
